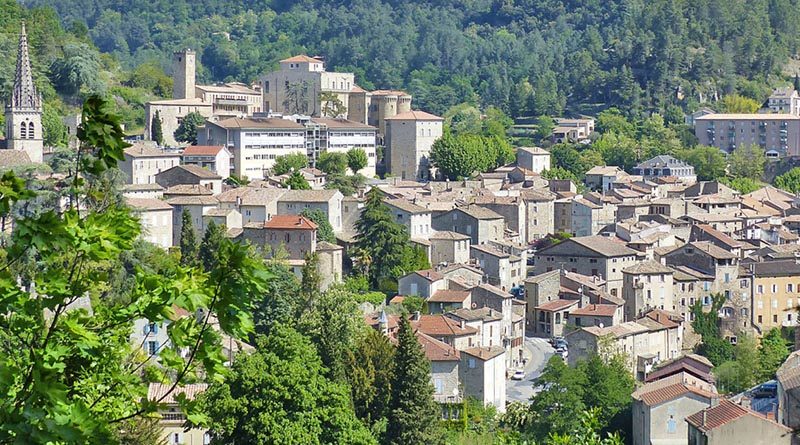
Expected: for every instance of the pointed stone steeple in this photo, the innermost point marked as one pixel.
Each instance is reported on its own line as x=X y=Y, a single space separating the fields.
x=24 y=95
x=24 y=130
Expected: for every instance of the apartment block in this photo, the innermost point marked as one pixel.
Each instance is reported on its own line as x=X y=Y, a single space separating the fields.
x=777 y=134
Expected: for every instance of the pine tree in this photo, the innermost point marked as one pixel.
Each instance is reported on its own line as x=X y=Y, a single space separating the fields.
x=209 y=247
x=382 y=239
x=157 y=134
x=414 y=414
x=188 y=243
x=797 y=81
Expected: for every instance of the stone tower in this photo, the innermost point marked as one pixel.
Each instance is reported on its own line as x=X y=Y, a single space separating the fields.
x=183 y=73
x=24 y=110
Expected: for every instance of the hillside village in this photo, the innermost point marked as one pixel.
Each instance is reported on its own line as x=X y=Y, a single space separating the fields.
x=521 y=266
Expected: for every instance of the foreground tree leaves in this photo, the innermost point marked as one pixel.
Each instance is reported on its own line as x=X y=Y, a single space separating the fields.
x=68 y=373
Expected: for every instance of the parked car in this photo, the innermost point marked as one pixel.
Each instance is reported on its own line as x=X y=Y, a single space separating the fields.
x=561 y=344
x=518 y=375
x=563 y=352
x=555 y=340
x=766 y=390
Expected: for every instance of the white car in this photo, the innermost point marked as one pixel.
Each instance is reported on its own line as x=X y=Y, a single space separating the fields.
x=518 y=375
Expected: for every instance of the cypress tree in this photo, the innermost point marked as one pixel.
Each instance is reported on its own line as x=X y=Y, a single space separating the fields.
x=209 y=247
x=309 y=284
x=384 y=240
x=157 y=134
x=414 y=414
x=188 y=243
x=797 y=81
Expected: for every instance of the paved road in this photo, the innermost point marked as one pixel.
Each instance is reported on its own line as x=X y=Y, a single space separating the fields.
x=538 y=351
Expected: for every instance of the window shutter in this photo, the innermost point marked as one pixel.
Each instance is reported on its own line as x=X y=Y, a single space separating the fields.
x=146 y=328
x=155 y=328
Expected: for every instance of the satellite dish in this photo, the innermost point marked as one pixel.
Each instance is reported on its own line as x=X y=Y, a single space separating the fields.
x=601 y=326
x=474 y=305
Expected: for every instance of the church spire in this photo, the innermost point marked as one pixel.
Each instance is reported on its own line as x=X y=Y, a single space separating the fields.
x=24 y=95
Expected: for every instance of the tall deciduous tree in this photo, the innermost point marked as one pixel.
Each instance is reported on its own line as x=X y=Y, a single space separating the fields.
x=296 y=181
x=333 y=163
x=288 y=163
x=279 y=394
x=414 y=414
x=747 y=161
x=324 y=228
x=187 y=130
x=370 y=371
x=187 y=242
x=709 y=163
x=789 y=181
x=356 y=159
x=332 y=105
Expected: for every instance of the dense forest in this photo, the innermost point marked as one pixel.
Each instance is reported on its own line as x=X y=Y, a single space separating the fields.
x=527 y=57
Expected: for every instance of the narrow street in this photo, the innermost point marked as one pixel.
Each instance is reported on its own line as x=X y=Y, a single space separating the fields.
x=538 y=351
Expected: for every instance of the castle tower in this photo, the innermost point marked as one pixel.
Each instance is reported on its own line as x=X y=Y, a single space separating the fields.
x=24 y=110
x=183 y=74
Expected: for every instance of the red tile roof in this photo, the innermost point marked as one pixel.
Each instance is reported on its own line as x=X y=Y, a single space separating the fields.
x=556 y=305
x=302 y=58
x=722 y=414
x=430 y=274
x=202 y=150
x=599 y=310
x=435 y=350
x=664 y=318
x=449 y=296
x=290 y=222
x=667 y=393
x=415 y=116
x=157 y=390
x=440 y=325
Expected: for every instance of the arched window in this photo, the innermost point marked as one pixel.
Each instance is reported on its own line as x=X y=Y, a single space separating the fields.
x=23 y=131
x=30 y=130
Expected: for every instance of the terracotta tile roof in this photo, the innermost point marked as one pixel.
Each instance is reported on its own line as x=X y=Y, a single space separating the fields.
x=290 y=222
x=660 y=395
x=449 y=296
x=202 y=150
x=147 y=204
x=647 y=268
x=601 y=245
x=252 y=196
x=483 y=313
x=682 y=364
x=440 y=325
x=414 y=116
x=556 y=305
x=485 y=353
x=712 y=250
x=157 y=390
x=406 y=206
x=479 y=212
x=146 y=151
x=490 y=250
x=200 y=172
x=392 y=321
x=259 y=123
x=341 y=123
x=188 y=190
x=719 y=236
x=448 y=235
x=388 y=93
x=324 y=246
x=789 y=372
x=599 y=310
x=435 y=350
x=308 y=195
x=301 y=58
x=193 y=200
x=13 y=158
x=430 y=274
x=724 y=413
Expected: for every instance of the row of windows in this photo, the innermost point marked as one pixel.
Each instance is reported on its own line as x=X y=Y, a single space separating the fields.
x=274 y=134
x=789 y=305
x=275 y=146
x=352 y=133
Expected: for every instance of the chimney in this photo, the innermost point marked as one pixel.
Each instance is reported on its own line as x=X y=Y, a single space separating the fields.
x=416 y=316
x=463 y=324
x=705 y=415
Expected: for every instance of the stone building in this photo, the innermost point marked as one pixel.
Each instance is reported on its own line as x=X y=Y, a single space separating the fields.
x=329 y=260
x=190 y=175
x=172 y=112
x=647 y=285
x=660 y=407
x=295 y=235
x=777 y=134
x=143 y=161
x=297 y=87
x=23 y=114
x=483 y=374
x=479 y=223
x=535 y=159
x=449 y=247
x=255 y=143
x=216 y=158
x=155 y=216
x=409 y=137
x=340 y=136
x=293 y=202
x=726 y=423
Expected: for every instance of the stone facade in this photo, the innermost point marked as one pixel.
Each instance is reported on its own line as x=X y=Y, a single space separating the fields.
x=23 y=112
x=307 y=74
x=142 y=162
x=409 y=137
x=171 y=112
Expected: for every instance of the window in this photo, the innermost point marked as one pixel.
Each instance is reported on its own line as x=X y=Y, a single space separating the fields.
x=152 y=347
x=760 y=319
x=775 y=318
x=774 y=288
x=439 y=385
x=23 y=131
x=30 y=130
x=774 y=303
x=672 y=425
x=760 y=289
x=471 y=363
x=789 y=287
